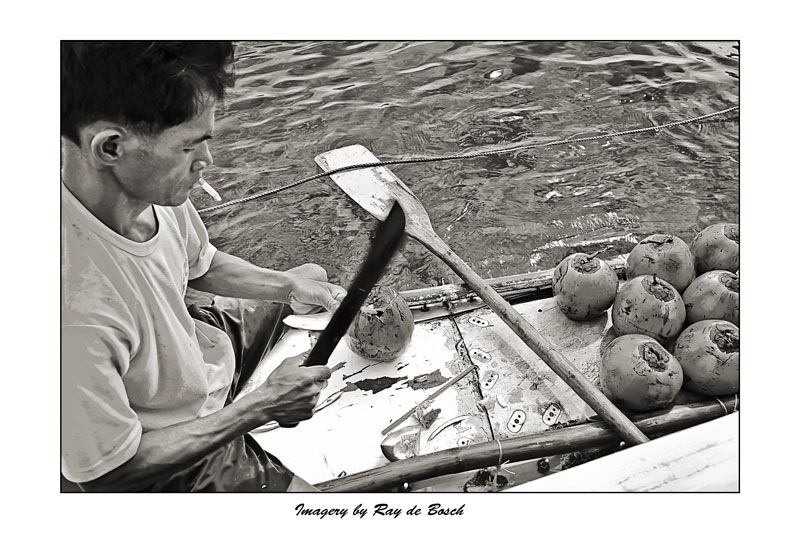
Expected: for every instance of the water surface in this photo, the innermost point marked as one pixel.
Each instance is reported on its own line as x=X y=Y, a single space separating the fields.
x=503 y=214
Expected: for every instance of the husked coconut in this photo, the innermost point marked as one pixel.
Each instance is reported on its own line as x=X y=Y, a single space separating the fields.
x=382 y=330
x=637 y=373
x=714 y=294
x=666 y=256
x=584 y=286
x=649 y=306
x=708 y=352
x=716 y=248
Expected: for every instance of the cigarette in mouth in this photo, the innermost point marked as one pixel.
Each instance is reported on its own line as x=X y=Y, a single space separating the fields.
x=210 y=190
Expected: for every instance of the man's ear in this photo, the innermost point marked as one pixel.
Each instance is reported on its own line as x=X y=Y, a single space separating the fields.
x=106 y=146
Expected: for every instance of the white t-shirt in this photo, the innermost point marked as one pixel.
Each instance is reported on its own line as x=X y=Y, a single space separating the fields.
x=132 y=359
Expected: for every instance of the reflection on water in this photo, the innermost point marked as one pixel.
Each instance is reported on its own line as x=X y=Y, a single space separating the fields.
x=503 y=214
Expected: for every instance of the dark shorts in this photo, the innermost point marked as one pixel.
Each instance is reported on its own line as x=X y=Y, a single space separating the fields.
x=241 y=465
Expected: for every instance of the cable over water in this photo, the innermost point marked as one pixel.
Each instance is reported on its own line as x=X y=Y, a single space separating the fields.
x=467 y=155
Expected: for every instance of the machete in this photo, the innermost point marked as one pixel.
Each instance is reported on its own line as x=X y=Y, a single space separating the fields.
x=385 y=243
x=387 y=240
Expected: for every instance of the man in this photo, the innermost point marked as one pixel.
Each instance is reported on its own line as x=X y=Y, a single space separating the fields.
x=147 y=384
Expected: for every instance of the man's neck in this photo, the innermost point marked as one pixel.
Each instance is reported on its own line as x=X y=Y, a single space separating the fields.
x=100 y=193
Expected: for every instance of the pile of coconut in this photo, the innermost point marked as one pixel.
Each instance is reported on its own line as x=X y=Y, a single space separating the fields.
x=677 y=316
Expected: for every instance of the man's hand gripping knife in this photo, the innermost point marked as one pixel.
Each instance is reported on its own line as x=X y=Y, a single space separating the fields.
x=291 y=391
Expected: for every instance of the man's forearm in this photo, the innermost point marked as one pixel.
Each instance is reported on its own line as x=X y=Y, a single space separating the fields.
x=231 y=276
x=164 y=451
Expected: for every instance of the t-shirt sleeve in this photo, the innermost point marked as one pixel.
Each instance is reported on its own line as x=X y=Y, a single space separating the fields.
x=198 y=247
x=99 y=430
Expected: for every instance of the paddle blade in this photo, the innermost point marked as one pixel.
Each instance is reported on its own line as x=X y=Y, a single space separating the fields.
x=375 y=189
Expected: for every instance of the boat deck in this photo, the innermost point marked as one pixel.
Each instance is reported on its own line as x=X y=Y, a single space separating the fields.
x=509 y=394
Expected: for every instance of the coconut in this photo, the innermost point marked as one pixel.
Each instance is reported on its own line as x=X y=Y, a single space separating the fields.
x=637 y=373
x=714 y=294
x=716 y=248
x=708 y=352
x=584 y=286
x=666 y=256
x=382 y=330
x=649 y=306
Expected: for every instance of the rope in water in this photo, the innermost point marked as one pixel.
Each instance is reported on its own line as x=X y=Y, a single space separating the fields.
x=467 y=155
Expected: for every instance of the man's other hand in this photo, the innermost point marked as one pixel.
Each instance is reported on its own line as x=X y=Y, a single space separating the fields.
x=311 y=292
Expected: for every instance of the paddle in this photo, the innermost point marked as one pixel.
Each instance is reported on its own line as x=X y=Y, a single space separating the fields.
x=376 y=189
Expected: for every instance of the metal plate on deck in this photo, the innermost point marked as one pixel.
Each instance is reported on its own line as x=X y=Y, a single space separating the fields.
x=522 y=395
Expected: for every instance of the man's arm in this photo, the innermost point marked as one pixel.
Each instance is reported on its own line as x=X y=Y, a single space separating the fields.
x=289 y=395
x=229 y=275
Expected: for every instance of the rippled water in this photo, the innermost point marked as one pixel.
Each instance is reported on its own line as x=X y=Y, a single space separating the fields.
x=503 y=214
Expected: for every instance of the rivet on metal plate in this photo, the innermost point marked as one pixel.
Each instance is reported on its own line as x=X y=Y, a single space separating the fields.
x=551 y=414
x=478 y=321
x=480 y=355
x=516 y=421
x=489 y=380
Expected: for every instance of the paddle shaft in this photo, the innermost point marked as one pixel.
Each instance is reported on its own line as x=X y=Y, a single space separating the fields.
x=543 y=348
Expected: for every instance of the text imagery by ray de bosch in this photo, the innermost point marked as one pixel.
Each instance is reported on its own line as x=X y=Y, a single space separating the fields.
x=380 y=510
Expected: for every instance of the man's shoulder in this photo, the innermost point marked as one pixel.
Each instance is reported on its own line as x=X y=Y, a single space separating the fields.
x=90 y=296
x=93 y=280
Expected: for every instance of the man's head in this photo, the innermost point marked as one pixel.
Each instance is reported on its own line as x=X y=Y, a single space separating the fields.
x=141 y=112
x=144 y=86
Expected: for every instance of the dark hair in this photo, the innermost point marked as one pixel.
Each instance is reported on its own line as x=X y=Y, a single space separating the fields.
x=147 y=86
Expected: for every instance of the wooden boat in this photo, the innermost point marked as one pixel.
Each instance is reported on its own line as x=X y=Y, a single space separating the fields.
x=509 y=424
